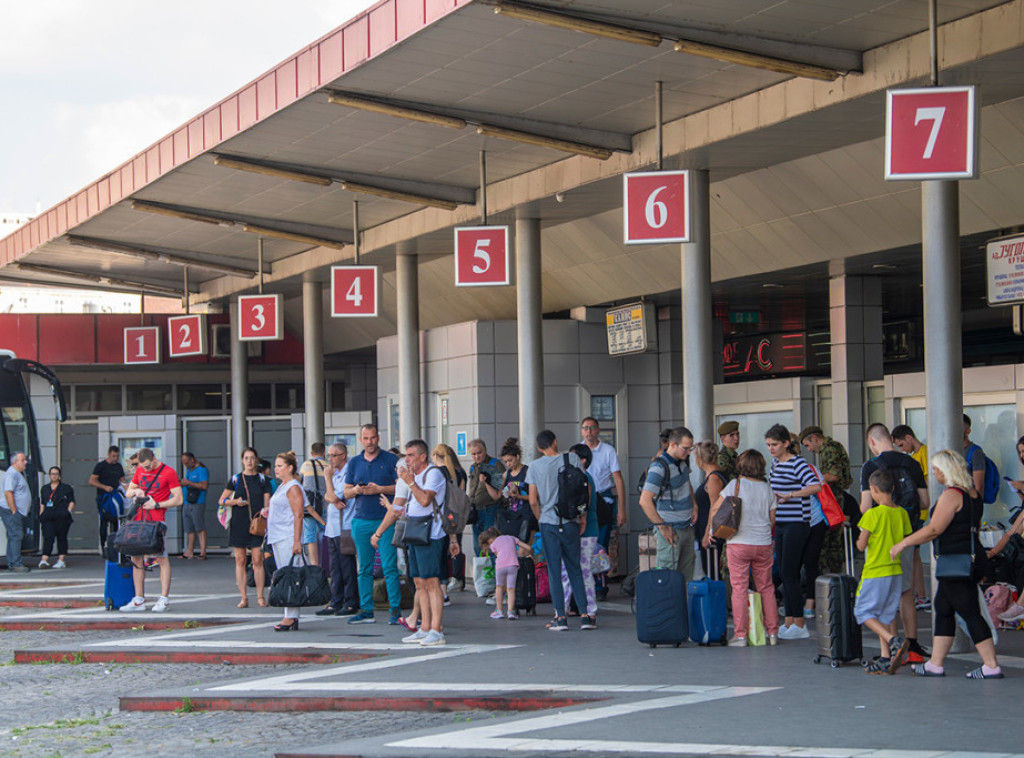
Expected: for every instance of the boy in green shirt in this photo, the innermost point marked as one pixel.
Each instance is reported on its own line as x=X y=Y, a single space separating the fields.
x=878 y=596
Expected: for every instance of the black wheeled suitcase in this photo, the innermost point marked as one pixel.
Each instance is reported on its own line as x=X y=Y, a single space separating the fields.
x=839 y=635
x=526 y=586
x=661 y=612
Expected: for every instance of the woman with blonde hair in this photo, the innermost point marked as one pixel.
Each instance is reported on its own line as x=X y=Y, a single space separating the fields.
x=444 y=457
x=706 y=455
x=953 y=527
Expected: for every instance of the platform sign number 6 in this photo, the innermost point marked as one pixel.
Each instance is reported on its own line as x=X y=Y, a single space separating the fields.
x=141 y=345
x=482 y=256
x=931 y=133
x=260 y=318
x=354 y=291
x=656 y=207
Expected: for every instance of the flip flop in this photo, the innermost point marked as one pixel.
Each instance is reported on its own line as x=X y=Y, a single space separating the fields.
x=184 y=557
x=202 y=558
x=922 y=671
x=979 y=673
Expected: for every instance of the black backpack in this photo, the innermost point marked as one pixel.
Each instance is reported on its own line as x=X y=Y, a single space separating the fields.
x=904 y=491
x=573 y=491
x=314 y=496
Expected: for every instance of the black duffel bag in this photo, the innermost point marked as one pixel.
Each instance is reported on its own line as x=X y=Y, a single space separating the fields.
x=299 y=586
x=141 y=537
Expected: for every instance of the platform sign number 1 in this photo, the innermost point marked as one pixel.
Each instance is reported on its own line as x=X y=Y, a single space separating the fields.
x=656 y=207
x=141 y=345
x=931 y=133
x=354 y=291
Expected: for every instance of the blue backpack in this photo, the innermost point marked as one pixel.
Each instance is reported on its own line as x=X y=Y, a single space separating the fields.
x=992 y=480
x=111 y=505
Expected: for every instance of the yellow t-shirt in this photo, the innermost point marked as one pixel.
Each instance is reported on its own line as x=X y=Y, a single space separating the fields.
x=921 y=456
x=887 y=525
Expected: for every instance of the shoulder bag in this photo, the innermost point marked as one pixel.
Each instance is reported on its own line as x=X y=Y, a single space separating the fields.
x=257 y=521
x=144 y=537
x=295 y=586
x=726 y=522
x=957 y=566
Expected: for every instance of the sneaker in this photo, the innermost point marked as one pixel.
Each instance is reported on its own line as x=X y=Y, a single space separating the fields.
x=136 y=604
x=432 y=639
x=878 y=666
x=396 y=613
x=447 y=602
x=348 y=610
x=922 y=604
x=898 y=647
x=453 y=583
x=1013 y=613
x=793 y=632
x=490 y=600
x=161 y=605
x=327 y=611
x=738 y=642
x=19 y=569
x=559 y=625
x=415 y=637
x=588 y=622
x=60 y=564
x=513 y=617
x=497 y=615
x=773 y=639
x=363 y=617
x=916 y=653
x=44 y=564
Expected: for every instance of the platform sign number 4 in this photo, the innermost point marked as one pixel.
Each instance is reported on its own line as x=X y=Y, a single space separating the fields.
x=481 y=256
x=354 y=291
x=656 y=207
x=141 y=345
x=931 y=133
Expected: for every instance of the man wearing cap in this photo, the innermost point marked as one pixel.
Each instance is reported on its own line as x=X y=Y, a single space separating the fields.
x=729 y=433
x=833 y=461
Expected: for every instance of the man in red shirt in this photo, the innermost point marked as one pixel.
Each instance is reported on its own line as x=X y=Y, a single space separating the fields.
x=159 y=484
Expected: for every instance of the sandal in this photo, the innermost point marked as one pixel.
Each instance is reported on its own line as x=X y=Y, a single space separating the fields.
x=403 y=622
x=922 y=671
x=262 y=603
x=979 y=673
x=202 y=557
x=244 y=603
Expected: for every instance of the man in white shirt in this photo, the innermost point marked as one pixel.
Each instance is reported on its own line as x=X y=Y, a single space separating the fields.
x=18 y=500
x=611 y=491
x=338 y=530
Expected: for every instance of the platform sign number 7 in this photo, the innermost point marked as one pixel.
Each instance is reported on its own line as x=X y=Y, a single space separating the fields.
x=354 y=291
x=931 y=133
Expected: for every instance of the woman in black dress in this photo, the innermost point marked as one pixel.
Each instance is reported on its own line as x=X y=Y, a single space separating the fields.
x=246 y=493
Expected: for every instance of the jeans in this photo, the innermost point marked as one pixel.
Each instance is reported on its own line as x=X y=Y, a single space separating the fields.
x=344 y=589
x=362 y=530
x=562 y=546
x=790 y=540
x=743 y=561
x=604 y=539
x=484 y=521
x=13 y=523
x=680 y=556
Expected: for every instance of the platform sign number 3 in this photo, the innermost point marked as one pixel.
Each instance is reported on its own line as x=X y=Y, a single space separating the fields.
x=656 y=207
x=481 y=256
x=141 y=345
x=354 y=291
x=260 y=317
x=931 y=133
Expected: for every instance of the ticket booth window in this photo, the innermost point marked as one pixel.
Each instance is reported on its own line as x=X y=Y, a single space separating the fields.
x=602 y=408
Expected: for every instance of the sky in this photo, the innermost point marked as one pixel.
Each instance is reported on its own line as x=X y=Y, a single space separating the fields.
x=85 y=86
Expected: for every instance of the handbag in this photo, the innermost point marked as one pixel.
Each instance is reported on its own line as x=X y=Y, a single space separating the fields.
x=957 y=565
x=398 y=536
x=755 y=626
x=144 y=537
x=726 y=521
x=257 y=521
x=192 y=495
x=830 y=507
x=300 y=586
x=346 y=545
x=417 y=530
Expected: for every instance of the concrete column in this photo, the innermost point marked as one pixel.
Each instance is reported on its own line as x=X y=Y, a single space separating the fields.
x=239 y=391
x=698 y=354
x=855 y=318
x=407 y=284
x=313 y=358
x=943 y=354
x=529 y=324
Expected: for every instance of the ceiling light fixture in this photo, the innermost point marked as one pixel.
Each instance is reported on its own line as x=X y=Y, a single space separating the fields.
x=254 y=167
x=576 y=24
x=177 y=260
x=401 y=111
x=163 y=210
x=528 y=138
x=292 y=236
x=408 y=197
x=755 y=60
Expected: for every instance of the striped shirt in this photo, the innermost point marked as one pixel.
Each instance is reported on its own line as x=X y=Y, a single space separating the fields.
x=792 y=475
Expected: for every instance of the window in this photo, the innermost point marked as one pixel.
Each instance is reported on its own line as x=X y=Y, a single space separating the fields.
x=92 y=398
x=259 y=397
x=289 y=397
x=149 y=397
x=200 y=397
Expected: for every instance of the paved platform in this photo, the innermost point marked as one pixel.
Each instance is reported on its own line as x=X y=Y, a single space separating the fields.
x=597 y=692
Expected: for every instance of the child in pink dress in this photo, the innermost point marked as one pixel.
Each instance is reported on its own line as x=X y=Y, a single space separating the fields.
x=506 y=549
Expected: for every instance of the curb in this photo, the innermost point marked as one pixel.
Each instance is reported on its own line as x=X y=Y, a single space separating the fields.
x=213 y=657
x=46 y=625
x=319 y=704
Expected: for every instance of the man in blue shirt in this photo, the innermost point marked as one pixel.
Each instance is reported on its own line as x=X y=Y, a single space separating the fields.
x=371 y=474
x=667 y=500
x=195 y=481
x=17 y=501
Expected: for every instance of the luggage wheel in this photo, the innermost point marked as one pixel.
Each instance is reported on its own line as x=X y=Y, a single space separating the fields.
x=817 y=659
x=109 y=604
x=835 y=664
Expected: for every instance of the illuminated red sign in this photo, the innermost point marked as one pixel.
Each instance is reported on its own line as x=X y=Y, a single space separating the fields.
x=765 y=355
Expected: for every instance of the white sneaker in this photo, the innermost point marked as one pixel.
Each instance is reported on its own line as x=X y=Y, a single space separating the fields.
x=490 y=600
x=44 y=564
x=793 y=632
x=161 y=605
x=432 y=639
x=137 y=604
x=1013 y=613
x=60 y=564
x=415 y=637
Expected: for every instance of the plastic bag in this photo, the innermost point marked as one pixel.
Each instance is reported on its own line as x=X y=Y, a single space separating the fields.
x=483 y=576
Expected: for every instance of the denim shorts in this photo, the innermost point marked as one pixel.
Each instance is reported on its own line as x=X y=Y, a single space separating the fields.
x=311 y=530
x=425 y=560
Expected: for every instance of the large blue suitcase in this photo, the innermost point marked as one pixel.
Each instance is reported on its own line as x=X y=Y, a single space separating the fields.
x=661 y=607
x=708 y=612
x=118 y=586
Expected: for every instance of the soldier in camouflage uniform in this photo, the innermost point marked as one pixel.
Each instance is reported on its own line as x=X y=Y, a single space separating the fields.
x=729 y=433
x=834 y=464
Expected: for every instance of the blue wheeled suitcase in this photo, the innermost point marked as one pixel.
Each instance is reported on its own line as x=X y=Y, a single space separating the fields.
x=661 y=607
x=118 y=586
x=708 y=613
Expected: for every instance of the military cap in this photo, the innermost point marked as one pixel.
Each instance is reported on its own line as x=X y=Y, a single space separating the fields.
x=728 y=427
x=811 y=430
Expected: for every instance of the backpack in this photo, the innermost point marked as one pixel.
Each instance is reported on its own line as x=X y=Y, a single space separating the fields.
x=904 y=492
x=999 y=598
x=664 y=480
x=112 y=505
x=315 y=497
x=456 y=508
x=991 y=475
x=573 y=491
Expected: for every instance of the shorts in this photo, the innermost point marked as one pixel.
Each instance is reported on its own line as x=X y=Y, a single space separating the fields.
x=311 y=530
x=193 y=518
x=907 y=565
x=878 y=598
x=506 y=577
x=425 y=560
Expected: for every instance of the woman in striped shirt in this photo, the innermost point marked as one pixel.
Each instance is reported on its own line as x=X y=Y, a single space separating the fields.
x=793 y=483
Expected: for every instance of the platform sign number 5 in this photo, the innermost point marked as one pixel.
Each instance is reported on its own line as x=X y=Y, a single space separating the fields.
x=354 y=291
x=186 y=335
x=656 y=207
x=482 y=256
x=141 y=345
x=260 y=318
x=931 y=133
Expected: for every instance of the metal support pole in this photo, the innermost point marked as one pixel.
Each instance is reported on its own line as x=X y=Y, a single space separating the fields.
x=698 y=370
x=313 y=357
x=659 y=123
x=943 y=354
x=239 y=391
x=184 y=290
x=407 y=284
x=483 y=187
x=529 y=317
x=355 y=231
x=259 y=263
x=933 y=40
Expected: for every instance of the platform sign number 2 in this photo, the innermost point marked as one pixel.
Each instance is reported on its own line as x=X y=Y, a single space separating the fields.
x=931 y=133
x=353 y=291
x=186 y=335
x=656 y=207
x=141 y=345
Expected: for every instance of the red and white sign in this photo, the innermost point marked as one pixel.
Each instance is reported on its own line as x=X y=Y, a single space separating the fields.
x=656 y=207
x=354 y=291
x=260 y=317
x=141 y=344
x=931 y=133
x=481 y=256
x=186 y=336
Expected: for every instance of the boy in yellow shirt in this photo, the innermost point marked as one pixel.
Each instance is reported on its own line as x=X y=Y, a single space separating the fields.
x=878 y=596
